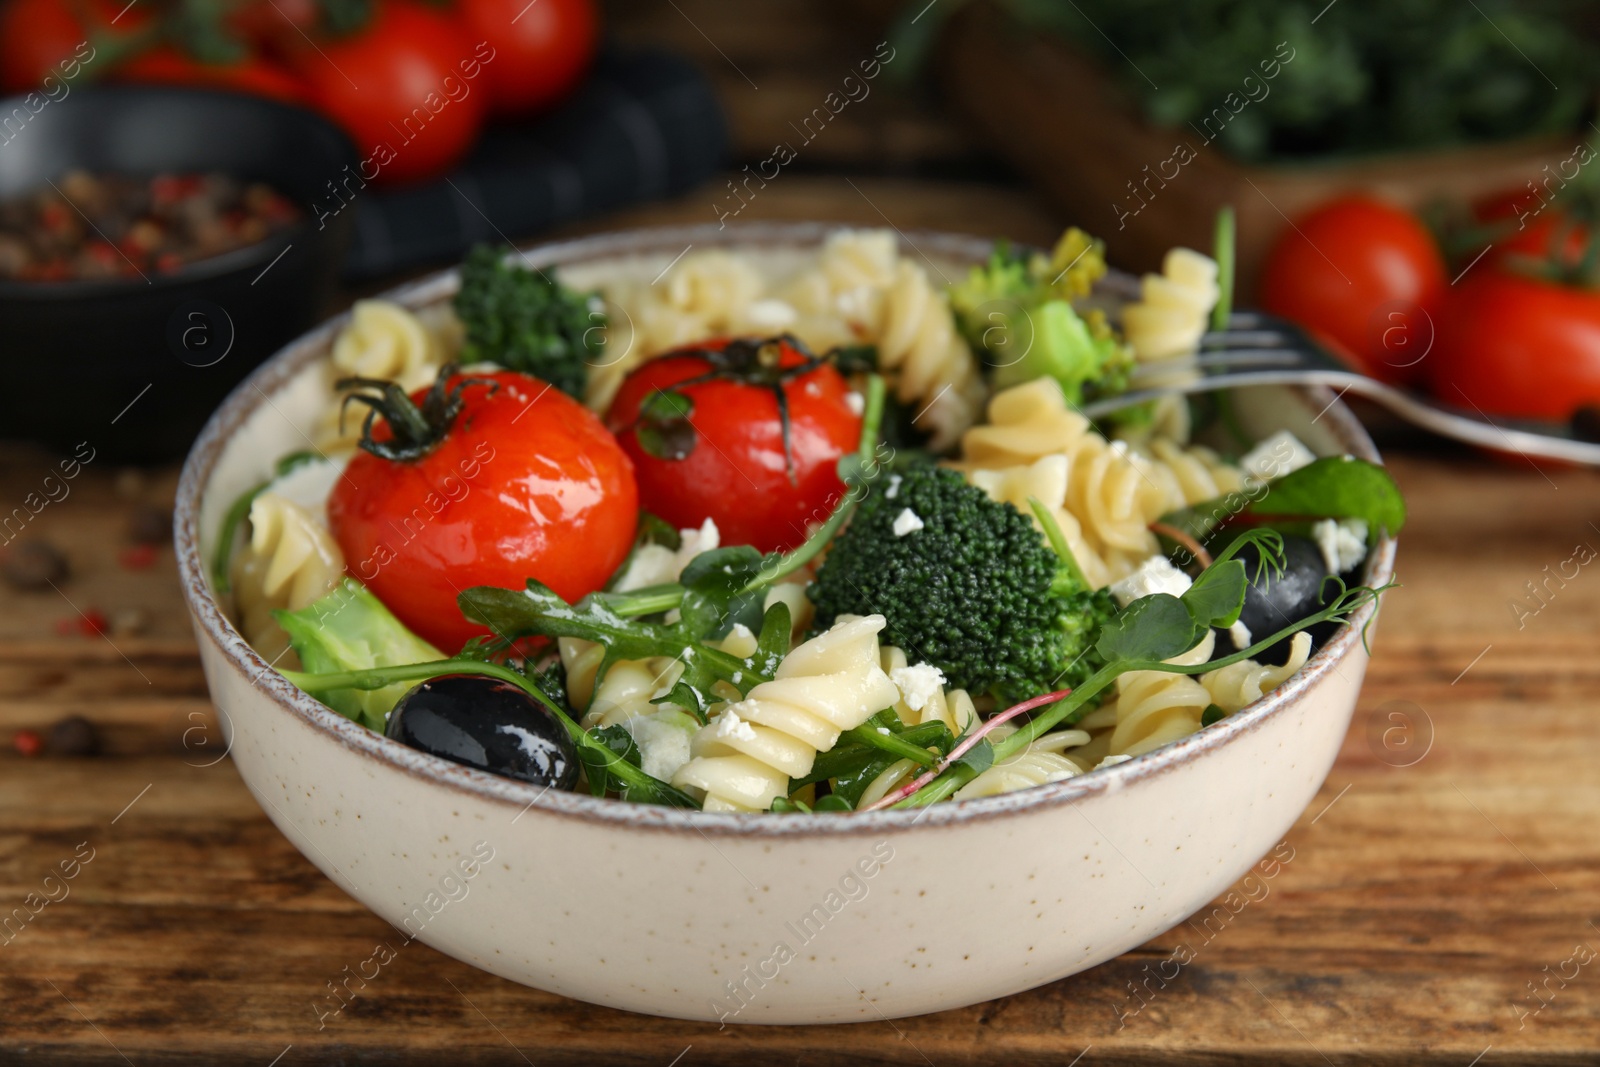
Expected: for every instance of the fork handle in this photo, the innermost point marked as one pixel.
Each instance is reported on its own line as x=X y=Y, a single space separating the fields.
x=1484 y=434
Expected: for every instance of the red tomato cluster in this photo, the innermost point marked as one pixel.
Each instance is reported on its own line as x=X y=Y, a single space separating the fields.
x=411 y=82
x=1515 y=334
x=528 y=483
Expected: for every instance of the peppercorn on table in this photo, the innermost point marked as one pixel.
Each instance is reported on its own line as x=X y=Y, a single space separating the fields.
x=1433 y=905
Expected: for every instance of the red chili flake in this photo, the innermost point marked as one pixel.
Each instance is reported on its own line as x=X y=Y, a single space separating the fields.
x=66 y=627
x=94 y=623
x=137 y=557
x=167 y=262
x=27 y=743
x=54 y=216
x=104 y=254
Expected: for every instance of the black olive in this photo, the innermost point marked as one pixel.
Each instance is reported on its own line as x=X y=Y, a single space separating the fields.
x=489 y=724
x=1274 y=602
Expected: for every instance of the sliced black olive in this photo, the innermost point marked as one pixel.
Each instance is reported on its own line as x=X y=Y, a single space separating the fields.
x=1274 y=602
x=489 y=724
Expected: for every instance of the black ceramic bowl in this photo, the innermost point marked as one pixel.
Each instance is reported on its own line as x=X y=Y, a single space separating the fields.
x=135 y=367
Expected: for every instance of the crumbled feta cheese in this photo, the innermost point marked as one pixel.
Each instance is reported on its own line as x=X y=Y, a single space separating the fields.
x=729 y=727
x=1155 y=575
x=658 y=565
x=1343 y=542
x=907 y=521
x=770 y=314
x=894 y=487
x=663 y=740
x=918 y=685
x=1276 y=456
x=855 y=402
x=1239 y=634
x=1112 y=761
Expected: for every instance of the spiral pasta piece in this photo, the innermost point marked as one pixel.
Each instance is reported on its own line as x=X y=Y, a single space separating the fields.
x=1103 y=494
x=290 y=561
x=704 y=295
x=1154 y=708
x=1241 y=684
x=1041 y=762
x=929 y=360
x=627 y=690
x=746 y=755
x=1174 y=307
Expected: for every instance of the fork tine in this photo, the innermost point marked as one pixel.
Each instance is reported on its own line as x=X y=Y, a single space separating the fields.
x=1217 y=361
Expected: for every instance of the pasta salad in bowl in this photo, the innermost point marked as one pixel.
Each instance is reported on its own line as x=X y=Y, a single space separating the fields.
x=777 y=569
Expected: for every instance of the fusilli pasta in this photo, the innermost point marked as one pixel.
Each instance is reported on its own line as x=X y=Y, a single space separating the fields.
x=625 y=692
x=927 y=358
x=1039 y=763
x=1241 y=684
x=953 y=707
x=1166 y=324
x=746 y=755
x=1153 y=708
x=290 y=561
x=382 y=340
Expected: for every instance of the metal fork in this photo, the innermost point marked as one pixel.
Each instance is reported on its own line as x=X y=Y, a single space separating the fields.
x=1263 y=350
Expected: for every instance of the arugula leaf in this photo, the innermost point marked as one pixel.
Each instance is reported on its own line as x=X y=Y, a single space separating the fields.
x=597 y=769
x=716 y=591
x=833 y=802
x=539 y=612
x=849 y=786
x=1155 y=627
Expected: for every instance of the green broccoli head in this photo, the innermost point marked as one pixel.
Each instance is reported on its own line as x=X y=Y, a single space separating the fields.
x=1018 y=314
x=974 y=589
x=526 y=320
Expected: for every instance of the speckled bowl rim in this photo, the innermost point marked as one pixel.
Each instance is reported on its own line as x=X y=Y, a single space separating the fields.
x=213 y=625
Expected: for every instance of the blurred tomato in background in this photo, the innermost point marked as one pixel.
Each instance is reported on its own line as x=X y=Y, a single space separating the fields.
x=411 y=83
x=1366 y=276
x=543 y=46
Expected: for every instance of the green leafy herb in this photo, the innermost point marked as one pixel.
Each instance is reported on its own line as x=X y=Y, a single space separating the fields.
x=526 y=320
x=1212 y=714
x=1334 y=487
x=597 y=769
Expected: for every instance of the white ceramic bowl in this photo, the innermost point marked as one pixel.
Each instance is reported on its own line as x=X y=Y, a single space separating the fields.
x=753 y=918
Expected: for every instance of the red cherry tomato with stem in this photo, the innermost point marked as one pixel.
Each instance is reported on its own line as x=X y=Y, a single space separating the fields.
x=57 y=39
x=541 y=49
x=526 y=483
x=1364 y=275
x=725 y=459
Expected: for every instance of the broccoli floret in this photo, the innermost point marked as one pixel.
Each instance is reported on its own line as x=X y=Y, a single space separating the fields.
x=1019 y=314
x=974 y=589
x=526 y=320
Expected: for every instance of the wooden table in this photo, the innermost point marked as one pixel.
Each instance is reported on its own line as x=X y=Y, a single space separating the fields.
x=1450 y=861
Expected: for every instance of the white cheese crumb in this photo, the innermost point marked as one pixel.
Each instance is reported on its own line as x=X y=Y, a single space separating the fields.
x=729 y=727
x=855 y=402
x=1155 y=575
x=918 y=685
x=1343 y=542
x=1276 y=456
x=657 y=564
x=1112 y=761
x=770 y=314
x=907 y=521
x=894 y=487
x=1239 y=634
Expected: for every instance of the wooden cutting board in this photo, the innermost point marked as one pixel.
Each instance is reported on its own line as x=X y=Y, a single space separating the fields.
x=1450 y=860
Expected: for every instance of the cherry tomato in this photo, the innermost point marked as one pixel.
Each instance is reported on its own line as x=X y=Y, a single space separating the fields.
x=525 y=484
x=407 y=89
x=51 y=38
x=1364 y=276
x=725 y=459
x=1531 y=227
x=541 y=49
x=1519 y=347
x=168 y=66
